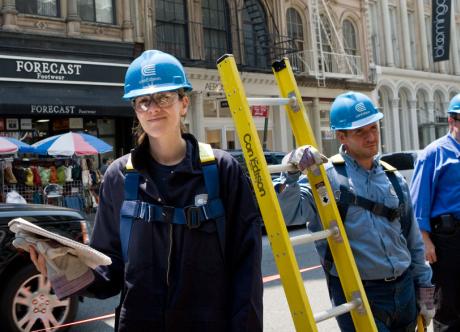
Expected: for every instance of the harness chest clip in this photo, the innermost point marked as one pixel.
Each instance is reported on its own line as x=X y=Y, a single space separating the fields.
x=192 y=216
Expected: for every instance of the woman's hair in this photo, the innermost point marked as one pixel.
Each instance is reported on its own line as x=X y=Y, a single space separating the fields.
x=140 y=134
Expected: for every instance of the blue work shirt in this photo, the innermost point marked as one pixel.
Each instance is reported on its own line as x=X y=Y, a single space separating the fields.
x=379 y=247
x=435 y=186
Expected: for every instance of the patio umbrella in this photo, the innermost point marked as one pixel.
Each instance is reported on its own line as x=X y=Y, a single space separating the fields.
x=70 y=144
x=11 y=145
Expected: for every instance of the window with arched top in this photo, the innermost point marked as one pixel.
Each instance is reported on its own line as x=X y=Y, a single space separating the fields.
x=256 y=38
x=171 y=27
x=295 y=29
x=350 y=38
x=216 y=27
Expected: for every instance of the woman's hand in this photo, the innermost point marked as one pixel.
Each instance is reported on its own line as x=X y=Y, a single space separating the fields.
x=38 y=260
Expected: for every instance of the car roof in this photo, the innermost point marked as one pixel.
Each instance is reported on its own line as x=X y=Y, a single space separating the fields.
x=26 y=210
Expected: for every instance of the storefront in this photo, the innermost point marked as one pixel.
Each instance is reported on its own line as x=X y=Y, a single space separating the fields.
x=51 y=87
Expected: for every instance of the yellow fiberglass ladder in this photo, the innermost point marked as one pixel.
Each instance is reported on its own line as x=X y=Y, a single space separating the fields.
x=282 y=247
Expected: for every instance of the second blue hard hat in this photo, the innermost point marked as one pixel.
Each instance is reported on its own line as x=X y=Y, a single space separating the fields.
x=154 y=71
x=353 y=110
x=454 y=106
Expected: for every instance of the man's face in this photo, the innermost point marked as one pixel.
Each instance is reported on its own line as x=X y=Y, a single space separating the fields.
x=361 y=143
x=454 y=125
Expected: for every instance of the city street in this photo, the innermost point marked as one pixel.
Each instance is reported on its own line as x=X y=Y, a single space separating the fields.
x=276 y=312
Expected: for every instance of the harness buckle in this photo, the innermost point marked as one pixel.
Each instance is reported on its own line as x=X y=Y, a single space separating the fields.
x=396 y=213
x=377 y=209
x=192 y=216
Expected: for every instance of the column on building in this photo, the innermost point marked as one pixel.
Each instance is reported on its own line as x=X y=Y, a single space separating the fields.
x=396 y=125
x=73 y=19
x=414 y=124
x=9 y=13
x=404 y=126
x=423 y=36
x=197 y=117
x=405 y=33
x=316 y=122
x=282 y=135
x=431 y=120
x=127 y=25
x=387 y=33
x=454 y=41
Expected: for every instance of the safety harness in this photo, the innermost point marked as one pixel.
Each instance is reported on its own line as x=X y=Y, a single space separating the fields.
x=345 y=197
x=192 y=216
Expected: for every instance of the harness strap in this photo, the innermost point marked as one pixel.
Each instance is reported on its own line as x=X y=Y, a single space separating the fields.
x=345 y=197
x=192 y=216
x=131 y=193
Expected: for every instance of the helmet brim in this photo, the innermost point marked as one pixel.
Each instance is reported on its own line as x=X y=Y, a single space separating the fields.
x=361 y=123
x=155 y=89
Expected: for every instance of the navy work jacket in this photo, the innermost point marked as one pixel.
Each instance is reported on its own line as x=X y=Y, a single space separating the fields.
x=176 y=278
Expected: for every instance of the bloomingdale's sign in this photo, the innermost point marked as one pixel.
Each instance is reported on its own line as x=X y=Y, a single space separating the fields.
x=47 y=70
x=441 y=29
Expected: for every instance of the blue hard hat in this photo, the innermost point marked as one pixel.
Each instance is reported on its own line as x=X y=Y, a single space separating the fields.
x=353 y=110
x=454 y=106
x=154 y=71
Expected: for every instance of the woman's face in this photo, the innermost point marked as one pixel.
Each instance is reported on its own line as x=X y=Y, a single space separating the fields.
x=160 y=113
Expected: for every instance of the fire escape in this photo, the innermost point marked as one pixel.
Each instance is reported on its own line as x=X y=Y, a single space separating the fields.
x=327 y=57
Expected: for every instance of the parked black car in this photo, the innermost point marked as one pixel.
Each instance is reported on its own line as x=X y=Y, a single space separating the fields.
x=27 y=301
x=403 y=161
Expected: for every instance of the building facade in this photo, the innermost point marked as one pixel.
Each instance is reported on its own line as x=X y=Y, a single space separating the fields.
x=257 y=32
x=412 y=90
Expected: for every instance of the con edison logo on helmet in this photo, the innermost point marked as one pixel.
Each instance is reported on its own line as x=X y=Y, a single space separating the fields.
x=254 y=164
x=149 y=70
x=360 y=107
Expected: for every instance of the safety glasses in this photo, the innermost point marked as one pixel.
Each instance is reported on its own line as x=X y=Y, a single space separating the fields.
x=161 y=99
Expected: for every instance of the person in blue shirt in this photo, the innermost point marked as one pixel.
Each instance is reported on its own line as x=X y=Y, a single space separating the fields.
x=391 y=264
x=435 y=191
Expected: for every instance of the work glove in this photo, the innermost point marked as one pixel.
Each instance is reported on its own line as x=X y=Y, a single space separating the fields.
x=67 y=272
x=306 y=157
x=425 y=301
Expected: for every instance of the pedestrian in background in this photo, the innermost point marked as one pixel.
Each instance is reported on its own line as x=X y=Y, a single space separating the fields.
x=177 y=218
x=375 y=208
x=435 y=191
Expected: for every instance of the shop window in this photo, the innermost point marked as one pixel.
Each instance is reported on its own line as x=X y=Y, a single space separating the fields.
x=215 y=27
x=230 y=137
x=171 y=27
x=100 y=11
x=214 y=138
x=38 y=7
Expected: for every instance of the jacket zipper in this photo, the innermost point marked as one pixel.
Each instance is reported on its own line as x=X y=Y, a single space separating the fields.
x=169 y=253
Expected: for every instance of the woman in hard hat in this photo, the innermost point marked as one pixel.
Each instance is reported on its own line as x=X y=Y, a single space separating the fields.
x=177 y=218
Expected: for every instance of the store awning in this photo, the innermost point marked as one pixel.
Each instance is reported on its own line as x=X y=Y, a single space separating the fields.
x=70 y=100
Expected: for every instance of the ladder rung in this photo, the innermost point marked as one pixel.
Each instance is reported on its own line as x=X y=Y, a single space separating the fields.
x=337 y=311
x=272 y=101
x=310 y=237
x=281 y=168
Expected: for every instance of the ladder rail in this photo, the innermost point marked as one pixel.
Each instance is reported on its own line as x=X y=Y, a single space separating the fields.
x=265 y=193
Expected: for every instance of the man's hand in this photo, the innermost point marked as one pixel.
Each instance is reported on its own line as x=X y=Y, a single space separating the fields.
x=430 y=250
x=306 y=157
x=425 y=301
